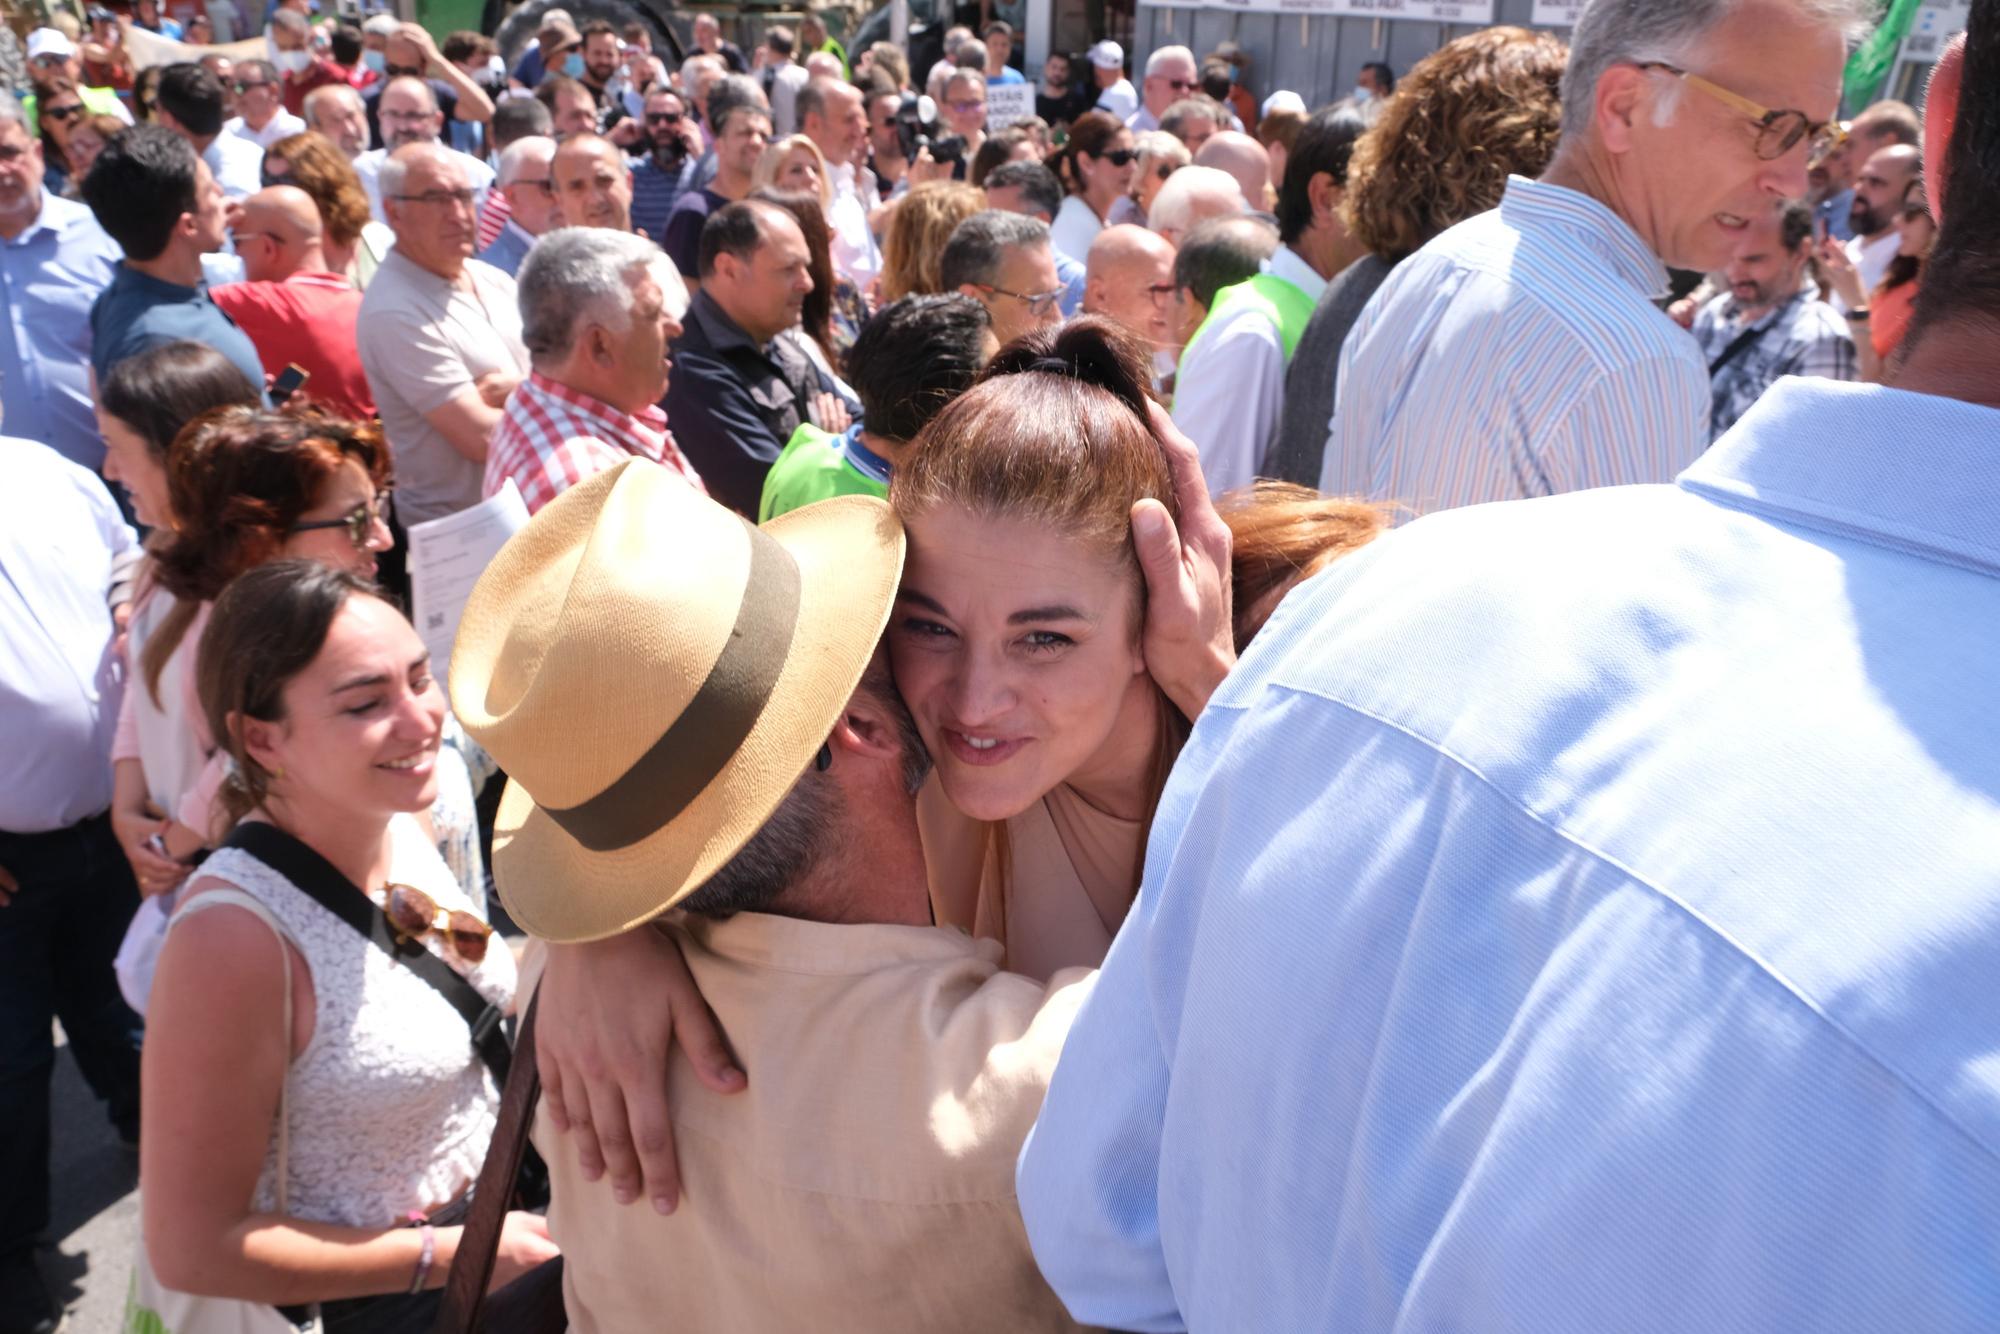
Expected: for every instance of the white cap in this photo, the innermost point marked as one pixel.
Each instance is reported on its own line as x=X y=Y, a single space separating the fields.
x=49 y=42
x=1107 y=54
x=382 y=25
x=1283 y=100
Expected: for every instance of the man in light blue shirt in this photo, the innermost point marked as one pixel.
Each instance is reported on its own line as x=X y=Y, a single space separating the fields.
x=1522 y=353
x=54 y=260
x=1583 y=914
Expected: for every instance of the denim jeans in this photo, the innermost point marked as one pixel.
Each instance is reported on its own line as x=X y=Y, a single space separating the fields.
x=57 y=941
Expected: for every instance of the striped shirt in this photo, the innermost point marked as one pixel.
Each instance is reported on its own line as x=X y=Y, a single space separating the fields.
x=1518 y=354
x=551 y=437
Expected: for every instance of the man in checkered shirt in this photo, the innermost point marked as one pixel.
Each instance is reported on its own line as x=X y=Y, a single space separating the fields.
x=599 y=309
x=1771 y=322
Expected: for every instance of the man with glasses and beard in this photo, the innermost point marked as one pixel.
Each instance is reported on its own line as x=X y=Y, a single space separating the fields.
x=667 y=171
x=1771 y=321
x=410 y=115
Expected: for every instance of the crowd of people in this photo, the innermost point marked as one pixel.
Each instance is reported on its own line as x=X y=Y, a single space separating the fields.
x=1182 y=711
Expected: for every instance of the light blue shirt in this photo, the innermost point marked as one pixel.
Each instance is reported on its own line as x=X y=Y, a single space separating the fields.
x=509 y=248
x=49 y=276
x=61 y=543
x=1578 y=915
x=1071 y=275
x=1518 y=354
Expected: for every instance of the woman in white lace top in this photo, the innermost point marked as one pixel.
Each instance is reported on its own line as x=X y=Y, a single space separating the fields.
x=375 y=1101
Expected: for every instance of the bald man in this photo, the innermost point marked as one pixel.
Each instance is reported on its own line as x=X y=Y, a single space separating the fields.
x=1129 y=279
x=410 y=115
x=294 y=308
x=593 y=184
x=1245 y=160
x=1878 y=202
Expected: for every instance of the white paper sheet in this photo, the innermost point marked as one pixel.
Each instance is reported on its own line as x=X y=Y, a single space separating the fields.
x=447 y=556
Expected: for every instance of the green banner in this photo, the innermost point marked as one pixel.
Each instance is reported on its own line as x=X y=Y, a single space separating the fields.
x=1872 y=60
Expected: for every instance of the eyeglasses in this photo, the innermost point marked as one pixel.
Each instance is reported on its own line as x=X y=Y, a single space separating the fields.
x=463 y=198
x=1161 y=293
x=49 y=61
x=359 y=522
x=966 y=108
x=1117 y=157
x=1038 y=302
x=65 y=114
x=414 y=914
x=407 y=117
x=1778 y=132
x=545 y=184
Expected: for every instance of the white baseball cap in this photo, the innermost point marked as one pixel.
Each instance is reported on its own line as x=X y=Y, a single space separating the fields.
x=1283 y=100
x=49 y=42
x=1107 y=54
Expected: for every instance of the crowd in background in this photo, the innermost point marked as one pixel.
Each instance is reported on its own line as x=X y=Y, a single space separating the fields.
x=856 y=798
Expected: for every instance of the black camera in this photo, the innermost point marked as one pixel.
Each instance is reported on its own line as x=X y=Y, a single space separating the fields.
x=915 y=131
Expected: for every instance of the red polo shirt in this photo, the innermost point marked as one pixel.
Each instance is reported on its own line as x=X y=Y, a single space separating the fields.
x=308 y=318
x=319 y=74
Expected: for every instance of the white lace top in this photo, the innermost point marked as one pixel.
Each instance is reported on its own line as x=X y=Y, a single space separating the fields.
x=390 y=1107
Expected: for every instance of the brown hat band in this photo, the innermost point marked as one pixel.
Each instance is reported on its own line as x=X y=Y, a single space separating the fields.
x=706 y=736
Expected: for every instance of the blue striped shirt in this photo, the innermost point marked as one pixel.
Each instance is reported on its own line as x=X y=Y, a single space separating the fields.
x=1518 y=354
x=1577 y=915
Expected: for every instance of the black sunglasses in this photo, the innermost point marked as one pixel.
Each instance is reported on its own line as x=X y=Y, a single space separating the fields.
x=68 y=113
x=1118 y=157
x=663 y=117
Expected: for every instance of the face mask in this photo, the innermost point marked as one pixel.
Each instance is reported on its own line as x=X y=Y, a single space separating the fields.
x=294 y=62
x=1363 y=96
x=573 y=65
x=375 y=60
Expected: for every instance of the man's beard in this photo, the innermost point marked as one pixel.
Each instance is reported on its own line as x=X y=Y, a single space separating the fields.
x=1861 y=217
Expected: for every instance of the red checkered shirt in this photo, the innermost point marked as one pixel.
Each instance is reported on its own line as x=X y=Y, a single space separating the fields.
x=551 y=437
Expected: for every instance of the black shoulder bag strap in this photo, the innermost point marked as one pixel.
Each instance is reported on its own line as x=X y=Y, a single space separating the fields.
x=1737 y=346
x=322 y=881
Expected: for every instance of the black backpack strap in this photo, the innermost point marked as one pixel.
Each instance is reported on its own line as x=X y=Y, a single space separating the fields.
x=320 y=880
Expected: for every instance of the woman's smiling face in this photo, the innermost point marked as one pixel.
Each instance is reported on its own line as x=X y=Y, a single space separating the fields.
x=1017 y=651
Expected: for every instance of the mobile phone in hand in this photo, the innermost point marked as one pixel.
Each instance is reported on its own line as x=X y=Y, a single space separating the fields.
x=289 y=382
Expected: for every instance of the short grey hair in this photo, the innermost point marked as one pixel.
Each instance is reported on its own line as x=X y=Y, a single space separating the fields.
x=1198 y=106
x=1209 y=191
x=1159 y=58
x=731 y=94
x=396 y=166
x=1612 y=31
x=979 y=245
x=290 y=20
x=535 y=148
x=575 y=275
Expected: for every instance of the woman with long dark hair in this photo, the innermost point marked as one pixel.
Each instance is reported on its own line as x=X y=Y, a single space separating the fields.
x=1095 y=167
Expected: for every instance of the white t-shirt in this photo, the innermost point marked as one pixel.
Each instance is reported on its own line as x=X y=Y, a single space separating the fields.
x=281 y=126
x=1075 y=227
x=423 y=339
x=1121 y=99
x=1871 y=260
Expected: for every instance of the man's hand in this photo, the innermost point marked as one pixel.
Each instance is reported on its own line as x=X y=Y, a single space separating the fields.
x=9 y=887
x=626 y=132
x=418 y=36
x=1190 y=642
x=608 y=1017
x=829 y=413
x=926 y=169
x=495 y=386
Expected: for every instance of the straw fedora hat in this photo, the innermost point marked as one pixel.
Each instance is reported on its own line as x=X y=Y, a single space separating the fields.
x=654 y=674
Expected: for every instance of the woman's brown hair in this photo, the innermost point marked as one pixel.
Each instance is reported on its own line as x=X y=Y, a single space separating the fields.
x=1282 y=534
x=1466 y=116
x=1091 y=133
x=319 y=169
x=919 y=225
x=237 y=480
x=268 y=625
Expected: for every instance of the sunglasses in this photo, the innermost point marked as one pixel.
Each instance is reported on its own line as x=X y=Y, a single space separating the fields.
x=663 y=118
x=68 y=113
x=1119 y=157
x=359 y=522
x=414 y=914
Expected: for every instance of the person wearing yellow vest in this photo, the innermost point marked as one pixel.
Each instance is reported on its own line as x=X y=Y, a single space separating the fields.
x=912 y=358
x=1229 y=394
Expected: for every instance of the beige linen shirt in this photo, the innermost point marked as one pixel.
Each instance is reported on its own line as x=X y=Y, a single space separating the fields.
x=865 y=1179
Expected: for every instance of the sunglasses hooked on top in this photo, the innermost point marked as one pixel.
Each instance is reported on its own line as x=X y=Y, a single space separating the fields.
x=414 y=914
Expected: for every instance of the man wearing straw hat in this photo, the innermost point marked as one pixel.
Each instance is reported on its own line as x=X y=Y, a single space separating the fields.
x=694 y=714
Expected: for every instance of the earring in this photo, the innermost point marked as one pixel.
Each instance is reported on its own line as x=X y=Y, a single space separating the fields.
x=825 y=759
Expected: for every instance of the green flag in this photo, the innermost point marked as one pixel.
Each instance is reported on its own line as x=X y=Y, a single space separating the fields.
x=1871 y=61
